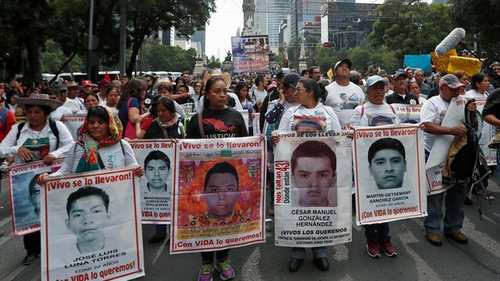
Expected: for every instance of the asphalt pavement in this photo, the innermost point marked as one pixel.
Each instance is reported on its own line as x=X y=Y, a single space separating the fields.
x=417 y=259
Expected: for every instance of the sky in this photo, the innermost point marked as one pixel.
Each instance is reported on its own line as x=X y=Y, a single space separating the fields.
x=222 y=25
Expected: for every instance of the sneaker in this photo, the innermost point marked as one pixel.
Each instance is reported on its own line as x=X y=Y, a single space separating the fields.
x=373 y=249
x=458 y=237
x=206 y=273
x=226 y=271
x=388 y=249
x=434 y=238
x=30 y=258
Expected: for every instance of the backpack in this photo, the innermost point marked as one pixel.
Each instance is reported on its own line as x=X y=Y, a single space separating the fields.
x=52 y=126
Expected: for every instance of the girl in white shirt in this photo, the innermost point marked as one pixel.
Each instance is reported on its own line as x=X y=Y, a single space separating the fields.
x=479 y=84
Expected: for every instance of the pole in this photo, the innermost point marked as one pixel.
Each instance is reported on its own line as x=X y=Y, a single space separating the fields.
x=123 y=36
x=90 y=42
x=297 y=51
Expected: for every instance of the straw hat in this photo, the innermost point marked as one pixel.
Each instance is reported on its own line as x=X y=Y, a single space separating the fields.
x=39 y=99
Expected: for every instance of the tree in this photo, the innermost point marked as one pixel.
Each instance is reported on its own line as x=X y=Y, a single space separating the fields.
x=480 y=20
x=410 y=26
x=53 y=58
x=228 y=57
x=157 y=57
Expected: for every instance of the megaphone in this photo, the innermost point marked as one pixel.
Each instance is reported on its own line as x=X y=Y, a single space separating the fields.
x=450 y=41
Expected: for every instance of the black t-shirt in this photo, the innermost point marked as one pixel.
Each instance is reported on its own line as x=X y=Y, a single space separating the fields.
x=226 y=123
x=492 y=105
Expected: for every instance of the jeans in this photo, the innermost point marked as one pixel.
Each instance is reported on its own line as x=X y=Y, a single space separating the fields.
x=32 y=243
x=220 y=256
x=454 y=211
x=300 y=253
x=377 y=232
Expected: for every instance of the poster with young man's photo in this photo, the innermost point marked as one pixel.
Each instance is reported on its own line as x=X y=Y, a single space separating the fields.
x=389 y=173
x=25 y=195
x=158 y=159
x=407 y=113
x=91 y=227
x=73 y=122
x=312 y=189
x=218 y=197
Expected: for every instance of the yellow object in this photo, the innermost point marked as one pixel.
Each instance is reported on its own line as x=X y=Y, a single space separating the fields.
x=330 y=74
x=469 y=65
x=441 y=62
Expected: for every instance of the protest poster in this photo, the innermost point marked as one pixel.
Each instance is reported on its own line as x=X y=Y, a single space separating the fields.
x=389 y=173
x=157 y=157
x=73 y=122
x=256 y=124
x=91 y=228
x=218 y=197
x=487 y=133
x=422 y=62
x=25 y=195
x=312 y=194
x=250 y=53
x=439 y=152
x=407 y=113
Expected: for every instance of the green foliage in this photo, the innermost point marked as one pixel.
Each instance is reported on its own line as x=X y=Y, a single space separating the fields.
x=52 y=58
x=228 y=57
x=479 y=18
x=158 y=57
x=410 y=26
x=364 y=56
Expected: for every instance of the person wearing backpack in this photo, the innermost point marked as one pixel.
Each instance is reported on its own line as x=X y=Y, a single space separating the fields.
x=39 y=138
x=376 y=112
x=431 y=116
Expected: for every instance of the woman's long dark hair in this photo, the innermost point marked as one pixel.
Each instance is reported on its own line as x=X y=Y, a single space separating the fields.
x=133 y=89
x=99 y=112
x=207 y=88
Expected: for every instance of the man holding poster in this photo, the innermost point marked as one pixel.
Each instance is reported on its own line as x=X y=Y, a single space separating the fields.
x=432 y=114
x=386 y=161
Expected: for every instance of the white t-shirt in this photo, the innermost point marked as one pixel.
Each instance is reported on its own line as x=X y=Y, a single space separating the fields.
x=259 y=96
x=344 y=97
x=369 y=114
x=473 y=94
x=300 y=118
x=433 y=111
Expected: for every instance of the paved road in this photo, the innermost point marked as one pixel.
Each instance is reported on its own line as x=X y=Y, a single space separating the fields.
x=417 y=260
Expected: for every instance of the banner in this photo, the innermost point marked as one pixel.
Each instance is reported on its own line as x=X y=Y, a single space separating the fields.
x=91 y=228
x=157 y=157
x=389 y=173
x=25 y=195
x=73 y=122
x=250 y=53
x=219 y=198
x=487 y=133
x=312 y=194
x=407 y=113
x=418 y=61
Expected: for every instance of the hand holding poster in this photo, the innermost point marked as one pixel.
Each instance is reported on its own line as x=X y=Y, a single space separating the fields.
x=73 y=122
x=25 y=195
x=218 y=194
x=91 y=227
x=389 y=173
x=158 y=159
x=312 y=195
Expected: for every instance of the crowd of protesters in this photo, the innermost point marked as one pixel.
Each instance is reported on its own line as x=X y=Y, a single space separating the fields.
x=119 y=109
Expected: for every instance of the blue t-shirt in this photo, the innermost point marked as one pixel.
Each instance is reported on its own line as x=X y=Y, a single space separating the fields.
x=123 y=110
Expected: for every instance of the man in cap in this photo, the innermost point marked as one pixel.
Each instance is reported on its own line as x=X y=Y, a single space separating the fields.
x=342 y=93
x=67 y=106
x=400 y=94
x=431 y=116
x=77 y=104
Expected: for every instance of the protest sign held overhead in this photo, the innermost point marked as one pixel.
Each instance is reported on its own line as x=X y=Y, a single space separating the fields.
x=312 y=195
x=218 y=198
x=389 y=173
x=73 y=122
x=25 y=195
x=91 y=227
x=158 y=159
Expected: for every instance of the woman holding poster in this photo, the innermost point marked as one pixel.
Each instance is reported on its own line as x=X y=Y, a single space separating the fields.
x=216 y=120
x=38 y=139
x=99 y=146
x=376 y=112
x=167 y=125
x=310 y=115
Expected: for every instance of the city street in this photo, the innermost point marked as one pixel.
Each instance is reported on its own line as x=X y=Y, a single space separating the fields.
x=417 y=260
